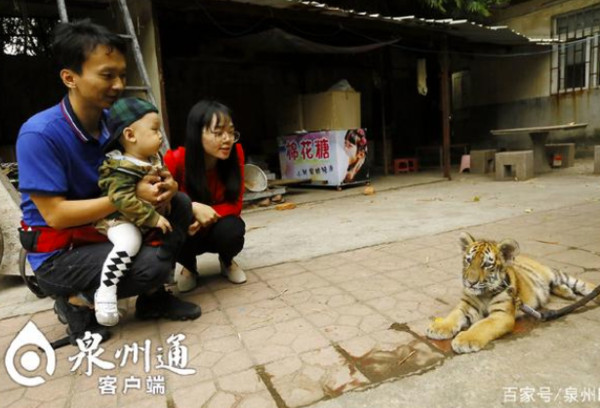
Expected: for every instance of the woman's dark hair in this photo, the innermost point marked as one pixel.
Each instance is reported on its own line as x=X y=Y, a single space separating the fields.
x=228 y=171
x=73 y=42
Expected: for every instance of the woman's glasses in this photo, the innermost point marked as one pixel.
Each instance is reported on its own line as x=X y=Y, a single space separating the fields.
x=220 y=134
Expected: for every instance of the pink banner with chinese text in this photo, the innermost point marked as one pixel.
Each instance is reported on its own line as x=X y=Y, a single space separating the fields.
x=333 y=157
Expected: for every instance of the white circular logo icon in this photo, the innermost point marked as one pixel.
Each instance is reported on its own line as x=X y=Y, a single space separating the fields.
x=30 y=360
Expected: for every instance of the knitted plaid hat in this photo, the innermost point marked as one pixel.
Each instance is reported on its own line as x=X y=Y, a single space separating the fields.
x=123 y=113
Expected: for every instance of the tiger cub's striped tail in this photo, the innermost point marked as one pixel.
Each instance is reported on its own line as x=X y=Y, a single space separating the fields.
x=568 y=286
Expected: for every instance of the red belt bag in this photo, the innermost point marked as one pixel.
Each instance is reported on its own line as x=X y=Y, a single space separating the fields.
x=46 y=239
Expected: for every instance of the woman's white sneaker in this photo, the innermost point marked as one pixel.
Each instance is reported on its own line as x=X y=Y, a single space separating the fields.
x=233 y=272
x=186 y=280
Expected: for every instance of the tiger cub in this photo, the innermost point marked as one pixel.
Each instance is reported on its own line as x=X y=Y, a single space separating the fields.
x=494 y=276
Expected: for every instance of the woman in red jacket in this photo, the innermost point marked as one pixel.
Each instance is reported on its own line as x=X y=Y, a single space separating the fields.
x=210 y=169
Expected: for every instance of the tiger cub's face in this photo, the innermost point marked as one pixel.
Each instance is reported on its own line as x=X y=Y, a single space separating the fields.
x=484 y=263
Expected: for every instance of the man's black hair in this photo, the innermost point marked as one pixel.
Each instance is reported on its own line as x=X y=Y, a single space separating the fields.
x=73 y=42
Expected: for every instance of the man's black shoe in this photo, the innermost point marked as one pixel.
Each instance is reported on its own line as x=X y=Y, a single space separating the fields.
x=78 y=319
x=163 y=304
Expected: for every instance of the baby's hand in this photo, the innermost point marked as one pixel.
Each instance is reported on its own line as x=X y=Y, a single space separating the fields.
x=164 y=224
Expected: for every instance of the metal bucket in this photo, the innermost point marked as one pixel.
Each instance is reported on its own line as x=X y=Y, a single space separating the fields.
x=255 y=179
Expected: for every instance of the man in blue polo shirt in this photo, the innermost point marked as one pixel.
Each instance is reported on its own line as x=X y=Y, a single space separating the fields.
x=59 y=152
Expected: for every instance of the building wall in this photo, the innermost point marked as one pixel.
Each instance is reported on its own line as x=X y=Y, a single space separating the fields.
x=514 y=92
x=579 y=107
x=524 y=77
x=506 y=79
x=534 y=18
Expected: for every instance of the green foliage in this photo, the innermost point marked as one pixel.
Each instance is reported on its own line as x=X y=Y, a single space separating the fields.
x=473 y=7
x=25 y=36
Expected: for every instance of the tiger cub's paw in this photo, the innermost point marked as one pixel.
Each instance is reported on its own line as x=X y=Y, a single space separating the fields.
x=439 y=329
x=466 y=342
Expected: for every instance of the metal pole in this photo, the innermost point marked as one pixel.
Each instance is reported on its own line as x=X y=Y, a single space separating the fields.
x=445 y=95
x=62 y=11
x=386 y=165
x=383 y=81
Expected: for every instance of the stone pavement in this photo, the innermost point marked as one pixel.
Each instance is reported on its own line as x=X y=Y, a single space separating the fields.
x=332 y=329
x=345 y=329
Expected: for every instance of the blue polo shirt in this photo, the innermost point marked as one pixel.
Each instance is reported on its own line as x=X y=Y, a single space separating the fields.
x=57 y=157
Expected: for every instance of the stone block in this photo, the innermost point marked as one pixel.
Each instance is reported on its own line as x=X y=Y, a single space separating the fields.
x=596 y=159
x=482 y=161
x=566 y=150
x=516 y=165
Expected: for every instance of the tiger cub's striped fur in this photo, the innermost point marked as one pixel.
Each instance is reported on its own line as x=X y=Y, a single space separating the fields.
x=494 y=275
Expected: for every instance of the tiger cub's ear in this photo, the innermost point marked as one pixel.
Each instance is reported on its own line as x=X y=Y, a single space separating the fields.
x=509 y=248
x=465 y=239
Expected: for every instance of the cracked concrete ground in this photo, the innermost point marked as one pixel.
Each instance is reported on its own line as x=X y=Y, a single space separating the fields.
x=339 y=293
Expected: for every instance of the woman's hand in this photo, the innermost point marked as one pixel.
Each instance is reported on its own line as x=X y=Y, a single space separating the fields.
x=205 y=216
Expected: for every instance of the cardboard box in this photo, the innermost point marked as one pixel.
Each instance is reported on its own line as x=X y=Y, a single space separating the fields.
x=331 y=110
x=290 y=118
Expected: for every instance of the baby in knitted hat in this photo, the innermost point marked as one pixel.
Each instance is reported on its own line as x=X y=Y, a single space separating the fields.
x=132 y=152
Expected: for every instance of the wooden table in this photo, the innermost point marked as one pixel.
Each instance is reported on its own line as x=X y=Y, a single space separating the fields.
x=538 y=136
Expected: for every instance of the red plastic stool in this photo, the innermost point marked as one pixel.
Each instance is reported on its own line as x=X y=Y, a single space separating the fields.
x=406 y=164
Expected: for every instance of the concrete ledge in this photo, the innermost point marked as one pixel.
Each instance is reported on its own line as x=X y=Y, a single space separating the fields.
x=566 y=150
x=596 y=159
x=10 y=215
x=514 y=165
x=482 y=161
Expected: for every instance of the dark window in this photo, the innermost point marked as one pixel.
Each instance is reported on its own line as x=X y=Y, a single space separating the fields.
x=576 y=58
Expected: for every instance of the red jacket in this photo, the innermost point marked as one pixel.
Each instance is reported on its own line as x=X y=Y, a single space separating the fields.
x=175 y=161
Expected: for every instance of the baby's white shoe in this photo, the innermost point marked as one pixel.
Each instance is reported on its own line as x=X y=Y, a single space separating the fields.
x=105 y=306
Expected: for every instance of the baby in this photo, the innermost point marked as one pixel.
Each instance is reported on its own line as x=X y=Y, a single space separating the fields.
x=133 y=151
